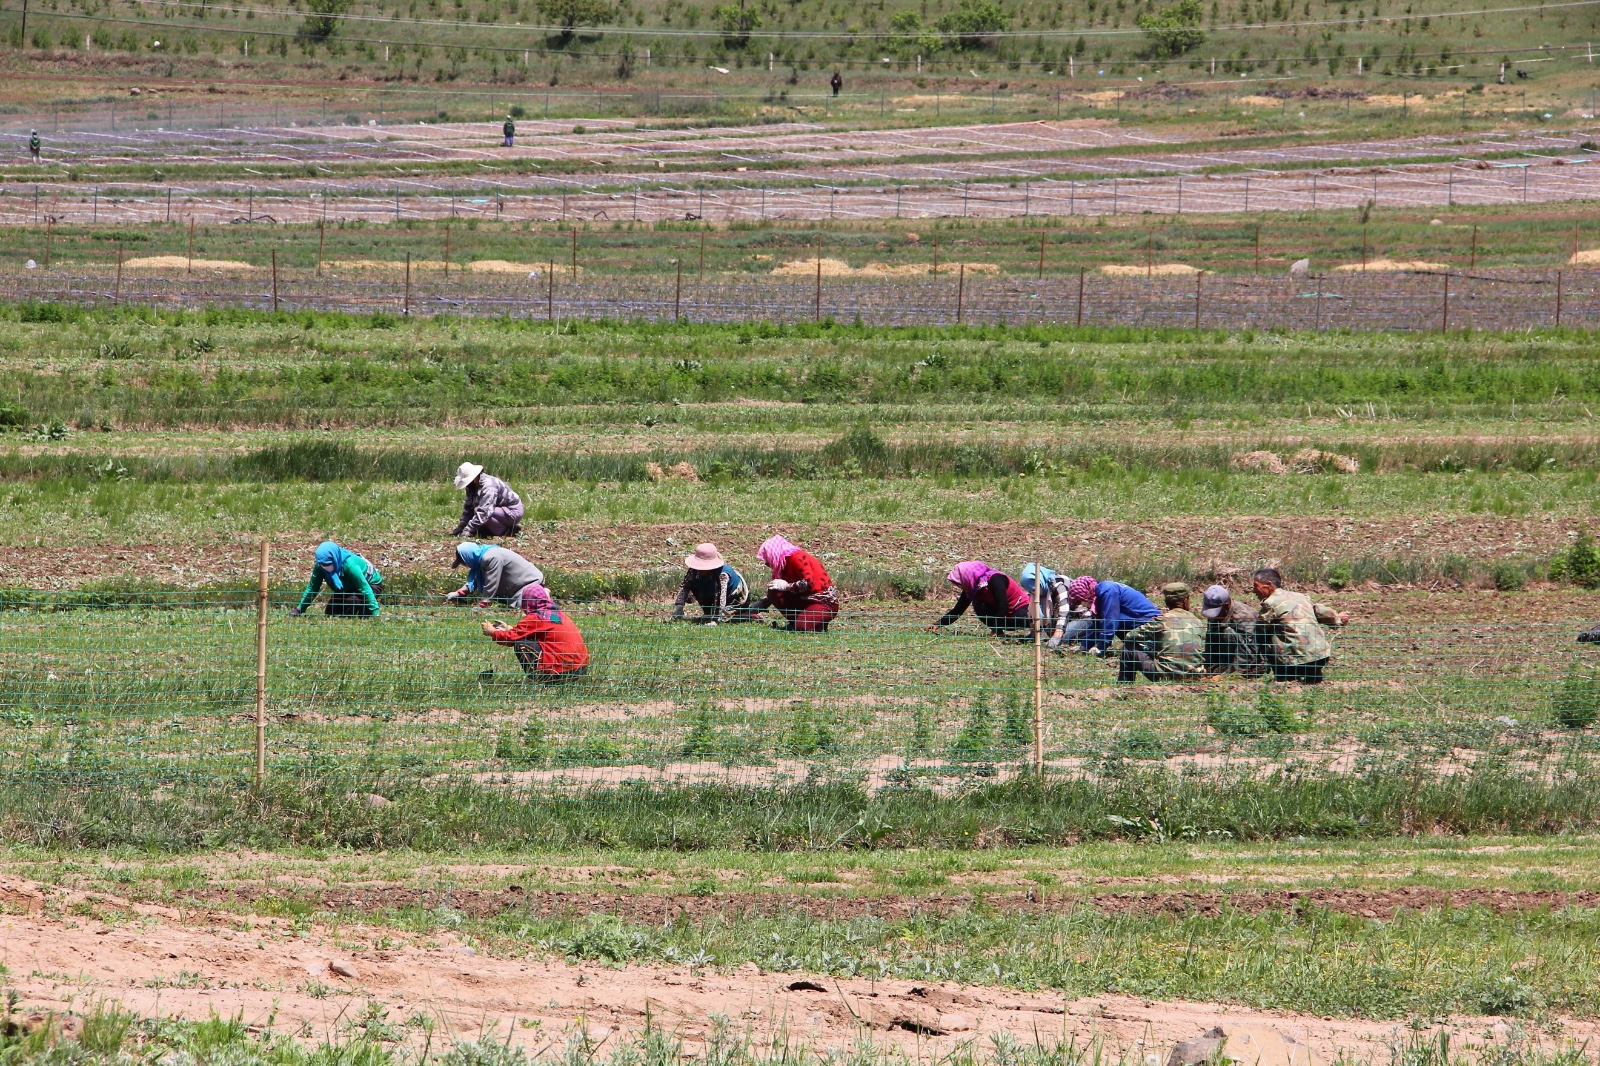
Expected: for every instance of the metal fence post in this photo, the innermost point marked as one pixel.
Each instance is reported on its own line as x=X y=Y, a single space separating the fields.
x=961 y=285
x=274 y=281
x=261 y=666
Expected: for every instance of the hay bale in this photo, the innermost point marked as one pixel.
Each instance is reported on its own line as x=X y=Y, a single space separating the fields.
x=1313 y=461
x=675 y=472
x=178 y=262
x=1166 y=270
x=1261 y=462
x=1392 y=265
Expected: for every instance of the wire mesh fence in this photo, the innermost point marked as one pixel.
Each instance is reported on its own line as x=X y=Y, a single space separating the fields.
x=1392 y=300
x=161 y=690
x=1024 y=189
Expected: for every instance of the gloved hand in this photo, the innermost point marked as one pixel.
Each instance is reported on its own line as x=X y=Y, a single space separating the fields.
x=458 y=593
x=777 y=584
x=1054 y=642
x=296 y=611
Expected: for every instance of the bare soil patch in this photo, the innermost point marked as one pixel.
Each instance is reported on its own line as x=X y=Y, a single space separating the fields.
x=315 y=979
x=658 y=907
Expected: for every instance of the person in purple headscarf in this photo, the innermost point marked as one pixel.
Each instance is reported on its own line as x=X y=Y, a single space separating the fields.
x=800 y=587
x=1116 y=609
x=999 y=602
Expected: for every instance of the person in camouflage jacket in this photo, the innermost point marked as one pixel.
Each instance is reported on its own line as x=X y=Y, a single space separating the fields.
x=1289 y=631
x=1169 y=648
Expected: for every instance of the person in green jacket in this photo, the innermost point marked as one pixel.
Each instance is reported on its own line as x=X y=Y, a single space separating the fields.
x=1169 y=648
x=356 y=583
x=510 y=130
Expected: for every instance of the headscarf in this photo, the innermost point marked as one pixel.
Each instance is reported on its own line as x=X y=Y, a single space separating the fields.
x=971 y=575
x=536 y=599
x=471 y=556
x=330 y=554
x=1082 y=590
x=1025 y=579
x=774 y=551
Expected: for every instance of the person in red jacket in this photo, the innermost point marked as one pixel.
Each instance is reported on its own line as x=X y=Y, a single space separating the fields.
x=800 y=588
x=546 y=642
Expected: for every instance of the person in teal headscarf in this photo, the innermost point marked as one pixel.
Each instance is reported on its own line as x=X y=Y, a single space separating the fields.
x=1056 y=616
x=356 y=583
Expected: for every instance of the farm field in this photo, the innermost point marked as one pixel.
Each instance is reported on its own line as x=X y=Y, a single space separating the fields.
x=1324 y=301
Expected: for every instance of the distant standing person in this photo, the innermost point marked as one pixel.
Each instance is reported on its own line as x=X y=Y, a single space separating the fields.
x=493 y=573
x=800 y=587
x=836 y=82
x=34 y=144
x=1289 y=630
x=491 y=509
x=510 y=130
x=356 y=583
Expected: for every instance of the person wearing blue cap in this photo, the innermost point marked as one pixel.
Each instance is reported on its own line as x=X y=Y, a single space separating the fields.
x=356 y=583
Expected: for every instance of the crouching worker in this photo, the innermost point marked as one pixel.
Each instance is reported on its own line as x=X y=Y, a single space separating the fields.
x=493 y=573
x=800 y=588
x=1000 y=603
x=1115 y=610
x=1231 y=646
x=1169 y=648
x=1064 y=621
x=718 y=588
x=1289 y=631
x=546 y=642
x=356 y=583
x=490 y=508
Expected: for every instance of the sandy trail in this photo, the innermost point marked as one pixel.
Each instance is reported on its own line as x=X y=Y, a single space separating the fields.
x=69 y=950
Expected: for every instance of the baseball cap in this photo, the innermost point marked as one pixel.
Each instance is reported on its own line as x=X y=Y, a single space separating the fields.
x=1214 y=602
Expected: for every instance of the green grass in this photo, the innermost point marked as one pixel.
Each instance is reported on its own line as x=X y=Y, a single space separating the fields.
x=1149 y=805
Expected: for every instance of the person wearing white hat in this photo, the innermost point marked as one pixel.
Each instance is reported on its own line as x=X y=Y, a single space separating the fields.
x=719 y=589
x=491 y=509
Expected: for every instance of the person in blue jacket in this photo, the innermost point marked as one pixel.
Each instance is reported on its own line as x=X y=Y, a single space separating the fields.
x=356 y=583
x=1116 y=609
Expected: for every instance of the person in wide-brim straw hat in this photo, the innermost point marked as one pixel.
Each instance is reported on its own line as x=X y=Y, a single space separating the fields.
x=719 y=589
x=491 y=509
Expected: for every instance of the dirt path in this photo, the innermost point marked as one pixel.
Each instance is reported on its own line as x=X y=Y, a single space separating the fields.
x=68 y=950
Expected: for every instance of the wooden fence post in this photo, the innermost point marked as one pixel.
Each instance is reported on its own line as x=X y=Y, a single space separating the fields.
x=1041 y=255
x=677 y=296
x=1558 y=299
x=816 y=309
x=261 y=665
x=961 y=285
x=1197 y=277
x=406 y=306
x=322 y=236
x=274 y=281
x=1038 y=673
x=116 y=295
x=1444 y=322
x=447 y=249
x=189 y=269
x=1080 y=295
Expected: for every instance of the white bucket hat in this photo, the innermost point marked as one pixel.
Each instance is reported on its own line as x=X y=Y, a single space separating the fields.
x=465 y=473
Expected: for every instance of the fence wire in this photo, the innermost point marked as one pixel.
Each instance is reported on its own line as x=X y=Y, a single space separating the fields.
x=163 y=692
x=1395 y=300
